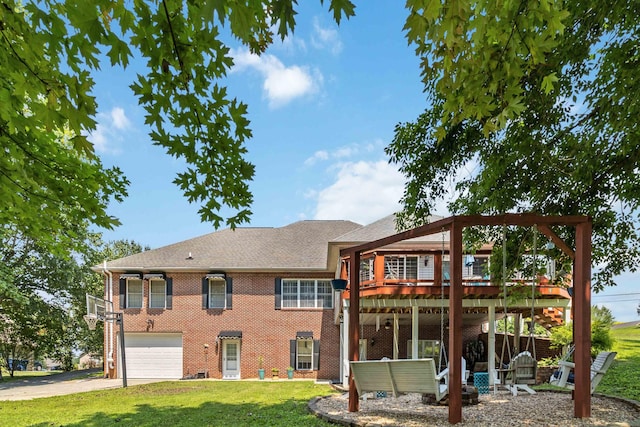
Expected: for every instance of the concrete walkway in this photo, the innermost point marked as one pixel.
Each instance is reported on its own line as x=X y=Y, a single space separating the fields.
x=61 y=384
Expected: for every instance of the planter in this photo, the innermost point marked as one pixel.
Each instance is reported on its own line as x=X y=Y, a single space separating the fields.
x=339 y=284
x=290 y=374
x=261 y=374
x=544 y=373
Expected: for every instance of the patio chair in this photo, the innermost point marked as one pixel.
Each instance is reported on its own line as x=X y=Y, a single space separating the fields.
x=519 y=374
x=599 y=368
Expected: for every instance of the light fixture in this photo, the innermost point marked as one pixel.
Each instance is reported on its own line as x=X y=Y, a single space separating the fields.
x=387 y=324
x=373 y=342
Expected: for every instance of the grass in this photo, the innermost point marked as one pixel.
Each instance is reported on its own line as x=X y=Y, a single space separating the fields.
x=233 y=403
x=623 y=378
x=174 y=403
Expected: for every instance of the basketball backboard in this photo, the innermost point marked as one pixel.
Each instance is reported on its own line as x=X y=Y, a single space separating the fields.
x=98 y=308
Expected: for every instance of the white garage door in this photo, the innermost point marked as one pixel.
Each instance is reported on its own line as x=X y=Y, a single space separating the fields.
x=153 y=355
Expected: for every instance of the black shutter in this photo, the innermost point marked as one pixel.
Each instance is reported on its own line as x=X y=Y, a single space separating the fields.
x=292 y=353
x=316 y=355
x=229 y=292
x=123 y=292
x=169 y=303
x=278 y=293
x=205 y=293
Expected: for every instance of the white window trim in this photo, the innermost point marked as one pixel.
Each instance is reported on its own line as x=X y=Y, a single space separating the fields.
x=224 y=299
x=164 y=299
x=128 y=305
x=298 y=342
x=402 y=266
x=316 y=299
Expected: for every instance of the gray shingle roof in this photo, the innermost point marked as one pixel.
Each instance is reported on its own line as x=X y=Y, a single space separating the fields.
x=303 y=245
x=387 y=227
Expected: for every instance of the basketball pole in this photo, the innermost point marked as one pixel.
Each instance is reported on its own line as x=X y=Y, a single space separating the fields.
x=120 y=321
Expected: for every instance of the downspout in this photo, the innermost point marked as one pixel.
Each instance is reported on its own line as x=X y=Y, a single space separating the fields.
x=109 y=325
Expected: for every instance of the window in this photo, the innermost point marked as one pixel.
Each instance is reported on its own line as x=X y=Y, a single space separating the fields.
x=304 y=355
x=475 y=266
x=426 y=349
x=217 y=293
x=307 y=293
x=400 y=267
x=305 y=352
x=157 y=293
x=134 y=293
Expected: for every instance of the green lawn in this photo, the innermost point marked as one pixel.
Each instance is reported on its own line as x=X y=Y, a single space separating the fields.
x=239 y=403
x=623 y=378
x=174 y=403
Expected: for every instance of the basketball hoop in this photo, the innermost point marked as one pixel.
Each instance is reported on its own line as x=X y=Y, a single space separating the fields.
x=92 y=321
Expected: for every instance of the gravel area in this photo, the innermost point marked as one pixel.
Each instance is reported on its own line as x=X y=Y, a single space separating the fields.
x=500 y=409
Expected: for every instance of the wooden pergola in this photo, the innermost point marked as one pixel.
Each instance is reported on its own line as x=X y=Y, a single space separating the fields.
x=455 y=225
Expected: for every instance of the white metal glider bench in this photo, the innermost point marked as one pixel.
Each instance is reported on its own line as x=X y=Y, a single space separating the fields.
x=599 y=367
x=400 y=376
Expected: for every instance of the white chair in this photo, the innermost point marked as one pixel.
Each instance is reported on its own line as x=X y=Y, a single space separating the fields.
x=400 y=376
x=599 y=367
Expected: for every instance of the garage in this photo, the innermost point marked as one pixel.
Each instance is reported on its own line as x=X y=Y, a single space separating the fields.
x=152 y=355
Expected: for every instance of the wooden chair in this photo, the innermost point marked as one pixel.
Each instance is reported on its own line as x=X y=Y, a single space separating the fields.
x=400 y=376
x=519 y=375
x=599 y=367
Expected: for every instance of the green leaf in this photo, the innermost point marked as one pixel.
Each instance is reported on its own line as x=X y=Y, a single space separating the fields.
x=548 y=82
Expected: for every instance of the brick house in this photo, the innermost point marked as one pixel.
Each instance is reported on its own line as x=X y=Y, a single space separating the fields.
x=221 y=304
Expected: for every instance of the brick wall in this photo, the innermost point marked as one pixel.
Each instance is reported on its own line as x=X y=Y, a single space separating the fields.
x=266 y=331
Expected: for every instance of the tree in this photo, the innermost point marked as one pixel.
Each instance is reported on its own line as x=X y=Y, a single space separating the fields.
x=601 y=340
x=537 y=99
x=34 y=301
x=92 y=342
x=49 y=51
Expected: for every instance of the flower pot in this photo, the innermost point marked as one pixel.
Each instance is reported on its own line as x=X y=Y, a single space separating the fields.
x=261 y=374
x=290 y=374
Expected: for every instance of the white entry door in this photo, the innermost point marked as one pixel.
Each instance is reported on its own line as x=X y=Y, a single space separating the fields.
x=231 y=359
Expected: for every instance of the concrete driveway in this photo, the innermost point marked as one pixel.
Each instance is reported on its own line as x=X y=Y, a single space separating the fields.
x=60 y=384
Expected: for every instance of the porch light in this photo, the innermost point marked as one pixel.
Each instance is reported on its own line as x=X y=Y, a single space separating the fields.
x=339 y=284
x=387 y=324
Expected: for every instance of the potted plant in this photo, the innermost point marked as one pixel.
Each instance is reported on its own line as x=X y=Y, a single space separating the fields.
x=275 y=373
x=290 y=372
x=261 y=367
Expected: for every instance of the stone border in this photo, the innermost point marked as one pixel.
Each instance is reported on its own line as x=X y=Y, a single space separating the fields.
x=312 y=407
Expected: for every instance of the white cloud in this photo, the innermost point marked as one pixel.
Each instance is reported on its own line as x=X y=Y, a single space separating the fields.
x=344 y=152
x=325 y=38
x=281 y=84
x=362 y=192
x=120 y=121
x=317 y=156
x=108 y=133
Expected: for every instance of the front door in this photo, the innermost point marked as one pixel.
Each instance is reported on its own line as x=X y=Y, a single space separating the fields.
x=231 y=359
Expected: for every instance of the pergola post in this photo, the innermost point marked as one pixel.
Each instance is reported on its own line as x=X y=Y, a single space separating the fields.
x=354 y=326
x=582 y=320
x=455 y=324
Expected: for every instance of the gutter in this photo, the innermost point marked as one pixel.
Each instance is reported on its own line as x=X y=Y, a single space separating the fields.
x=108 y=325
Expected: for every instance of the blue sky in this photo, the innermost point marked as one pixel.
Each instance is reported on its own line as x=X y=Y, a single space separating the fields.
x=323 y=105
